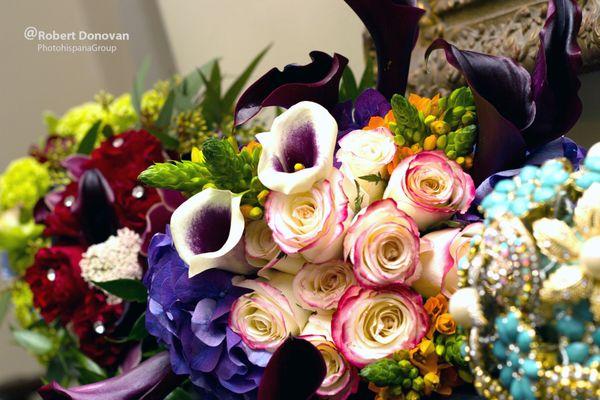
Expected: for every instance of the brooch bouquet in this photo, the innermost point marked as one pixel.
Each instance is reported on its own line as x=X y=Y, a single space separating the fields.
x=311 y=258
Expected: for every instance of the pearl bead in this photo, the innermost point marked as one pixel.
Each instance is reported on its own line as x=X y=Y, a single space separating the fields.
x=465 y=308
x=594 y=151
x=590 y=256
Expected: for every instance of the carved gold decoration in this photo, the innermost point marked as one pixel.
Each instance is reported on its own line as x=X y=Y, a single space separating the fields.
x=498 y=27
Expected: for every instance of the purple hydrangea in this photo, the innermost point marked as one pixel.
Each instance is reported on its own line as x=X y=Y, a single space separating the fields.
x=189 y=316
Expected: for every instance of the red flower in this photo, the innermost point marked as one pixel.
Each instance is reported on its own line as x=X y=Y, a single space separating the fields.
x=123 y=157
x=132 y=203
x=61 y=221
x=56 y=283
x=94 y=321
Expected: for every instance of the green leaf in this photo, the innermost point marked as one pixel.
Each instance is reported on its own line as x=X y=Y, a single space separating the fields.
x=211 y=105
x=139 y=86
x=107 y=131
x=89 y=140
x=237 y=86
x=57 y=370
x=179 y=394
x=138 y=331
x=358 y=199
x=168 y=141
x=126 y=289
x=348 y=88
x=4 y=305
x=87 y=368
x=33 y=341
x=166 y=112
x=375 y=178
x=368 y=77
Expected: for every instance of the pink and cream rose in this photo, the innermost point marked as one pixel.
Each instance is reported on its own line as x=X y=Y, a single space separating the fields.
x=259 y=244
x=341 y=379
x=372 y=324
x=440 y=253
x=383 y=245
x=267 y=316
x=430 y=188
x=312 y=223
x=319 y=287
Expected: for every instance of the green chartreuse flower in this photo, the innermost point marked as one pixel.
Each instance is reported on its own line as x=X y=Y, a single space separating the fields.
x=22 y=300
x=24 y=182
x=19 y=239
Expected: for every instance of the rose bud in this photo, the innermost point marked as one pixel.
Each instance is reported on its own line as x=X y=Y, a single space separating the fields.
x=311 y=223
x=372 y=324
x=430 y=188
x=383 y=245
x=342 y=378
x=364 y=156
x=319 y=287
x=267 y=316
x=440 y=253
x=207 y=232
x=299 y=149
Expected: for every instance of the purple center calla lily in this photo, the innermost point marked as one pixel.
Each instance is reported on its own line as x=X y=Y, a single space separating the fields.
x=298 y=151
x=207 y=232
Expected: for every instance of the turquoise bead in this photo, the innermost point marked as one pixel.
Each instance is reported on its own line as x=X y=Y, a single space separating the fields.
x=554 y=178
x=505 y=186
x=586 y=180
x=593 y=360
x=463 y=350
x=516 y=389
x=524 y=341
x=528 y=172
x=596 y=337
x=506 y=376
x=582 y=311
x=527 y=389
x=499 y=350
x=543 y=194
x=578 y=352
x=497 y=210
x=514 y=358
x=507 y=328
x=525 y=189
x=530 y=368
x=571 y=328
x=592 y=163
x=493 y=198
x=520 y=206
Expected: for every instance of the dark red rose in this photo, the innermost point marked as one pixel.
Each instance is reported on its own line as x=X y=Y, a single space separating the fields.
x=61 y=221
x=56 y=283
x=95 y=321
x=123 y=157
x=132 y=202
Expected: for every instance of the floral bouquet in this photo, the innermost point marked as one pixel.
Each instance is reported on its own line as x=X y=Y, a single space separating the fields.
x=204 y=256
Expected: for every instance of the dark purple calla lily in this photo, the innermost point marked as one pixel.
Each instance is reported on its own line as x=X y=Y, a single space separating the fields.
x=152 y=379
x=295 y=372
x=94 y=206
x=318 y=82
x=394 y=27
x=518 y=111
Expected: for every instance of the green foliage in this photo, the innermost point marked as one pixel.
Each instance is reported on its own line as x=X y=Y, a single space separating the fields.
x=185 y=176
x=35 y=342
x=373 y=178
x=349 y=88
x=126 y=289
x=409 y=123
x=89 y=140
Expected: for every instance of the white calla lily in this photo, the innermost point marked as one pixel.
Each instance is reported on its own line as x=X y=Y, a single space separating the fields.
x=207 y=232
x=298 y=151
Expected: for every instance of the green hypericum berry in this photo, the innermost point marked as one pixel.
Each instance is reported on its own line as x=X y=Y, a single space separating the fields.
x=405 y=365
x=439 y=349
x=418 y=384
x=429 y=119
x=406 y=383
x=458 y=111
x=451 y=154
x=414 y=372
x=399 y=140
x=441 y=142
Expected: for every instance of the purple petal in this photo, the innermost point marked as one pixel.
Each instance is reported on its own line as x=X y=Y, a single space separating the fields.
x=368 y=104
x=75 y=165
x=295 y=371
x=171 y=198
x=300 y=147
x=202 y=325
x=502 y=93
x=317 y=82
x=133 y=358
x=210 y=229
x=394 y=26
x=153 y=376
x=94 y=207
x=555 y=81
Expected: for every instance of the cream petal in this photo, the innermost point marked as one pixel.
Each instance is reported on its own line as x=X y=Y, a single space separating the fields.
x=304 y=134
x=207 y=232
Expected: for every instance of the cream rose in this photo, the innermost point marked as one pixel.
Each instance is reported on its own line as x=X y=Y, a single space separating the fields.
x=319 y=287
x=440 y=253
x=311 y=223
x=341 y=379
x=372 y=324
x=430 y=188
x=259 y=244
x=267 y=316
x=383 y=245
x=364 y=153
